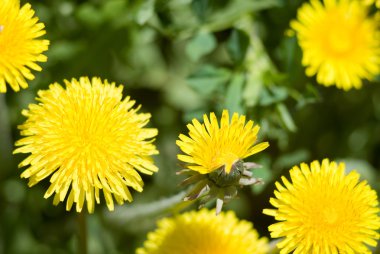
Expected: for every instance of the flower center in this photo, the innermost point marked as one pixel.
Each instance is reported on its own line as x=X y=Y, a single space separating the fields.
x=340 y=32
x=91 y=131
x=340 y=41
x=94 y=137
x=227 y=159
x=330 y=215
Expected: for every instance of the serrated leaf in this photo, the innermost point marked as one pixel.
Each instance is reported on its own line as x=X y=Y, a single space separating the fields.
x=207 y=79
x=200 y=45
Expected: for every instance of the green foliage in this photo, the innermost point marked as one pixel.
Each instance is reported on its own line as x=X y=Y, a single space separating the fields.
x=200 y=45
x=181 y=59
x=237 y=45
x=233 y=101
x=207 y=79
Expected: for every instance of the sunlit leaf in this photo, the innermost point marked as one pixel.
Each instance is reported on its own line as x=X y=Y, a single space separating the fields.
x=145 y=12
x=234 y=94
x=200 y=45
x=112 y=8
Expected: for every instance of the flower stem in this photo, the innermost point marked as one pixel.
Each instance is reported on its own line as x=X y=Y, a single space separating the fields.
x=123 y=215
x=5 y=137
x=82 y=233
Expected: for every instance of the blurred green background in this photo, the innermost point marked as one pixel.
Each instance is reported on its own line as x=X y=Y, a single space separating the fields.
x=180 y=59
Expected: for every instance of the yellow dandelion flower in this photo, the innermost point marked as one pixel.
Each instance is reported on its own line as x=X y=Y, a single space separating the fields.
x=210 y=146
x=215 y=156
x=86 y=137
x=340 y=42
x=202 y=232
x=19 y=48
x=324 y=211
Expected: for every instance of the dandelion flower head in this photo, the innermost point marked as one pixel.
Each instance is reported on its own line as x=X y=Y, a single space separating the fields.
x=19 y=47
x=323 y=210
x=340 y=42
x=210 y=146
x=87 y=139
x=202 y=232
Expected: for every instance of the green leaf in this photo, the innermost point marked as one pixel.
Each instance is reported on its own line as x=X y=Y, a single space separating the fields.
x=145 y=12
x=128 y=214
x=288 y=160
x=200 y=8
x=237 y=45
x=309 y=96
x=203 y=9
x=197 y=114
x=89 y=15
x=113 y=8
x=64 y=50
x=253 y=89
x=207 y=79
x=226 y=17
x=234 y=94
x=366 y=170
x=264 y=173
x=286 y=117
x=273 y=95
x=200 y=45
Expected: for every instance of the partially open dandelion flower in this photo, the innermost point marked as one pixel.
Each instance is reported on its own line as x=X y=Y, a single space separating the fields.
x=87 y=138
x=202 y=232
x=19 y=47
x=211 y=146
x=340 y=42
x=215 y=157
x=324 y=211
